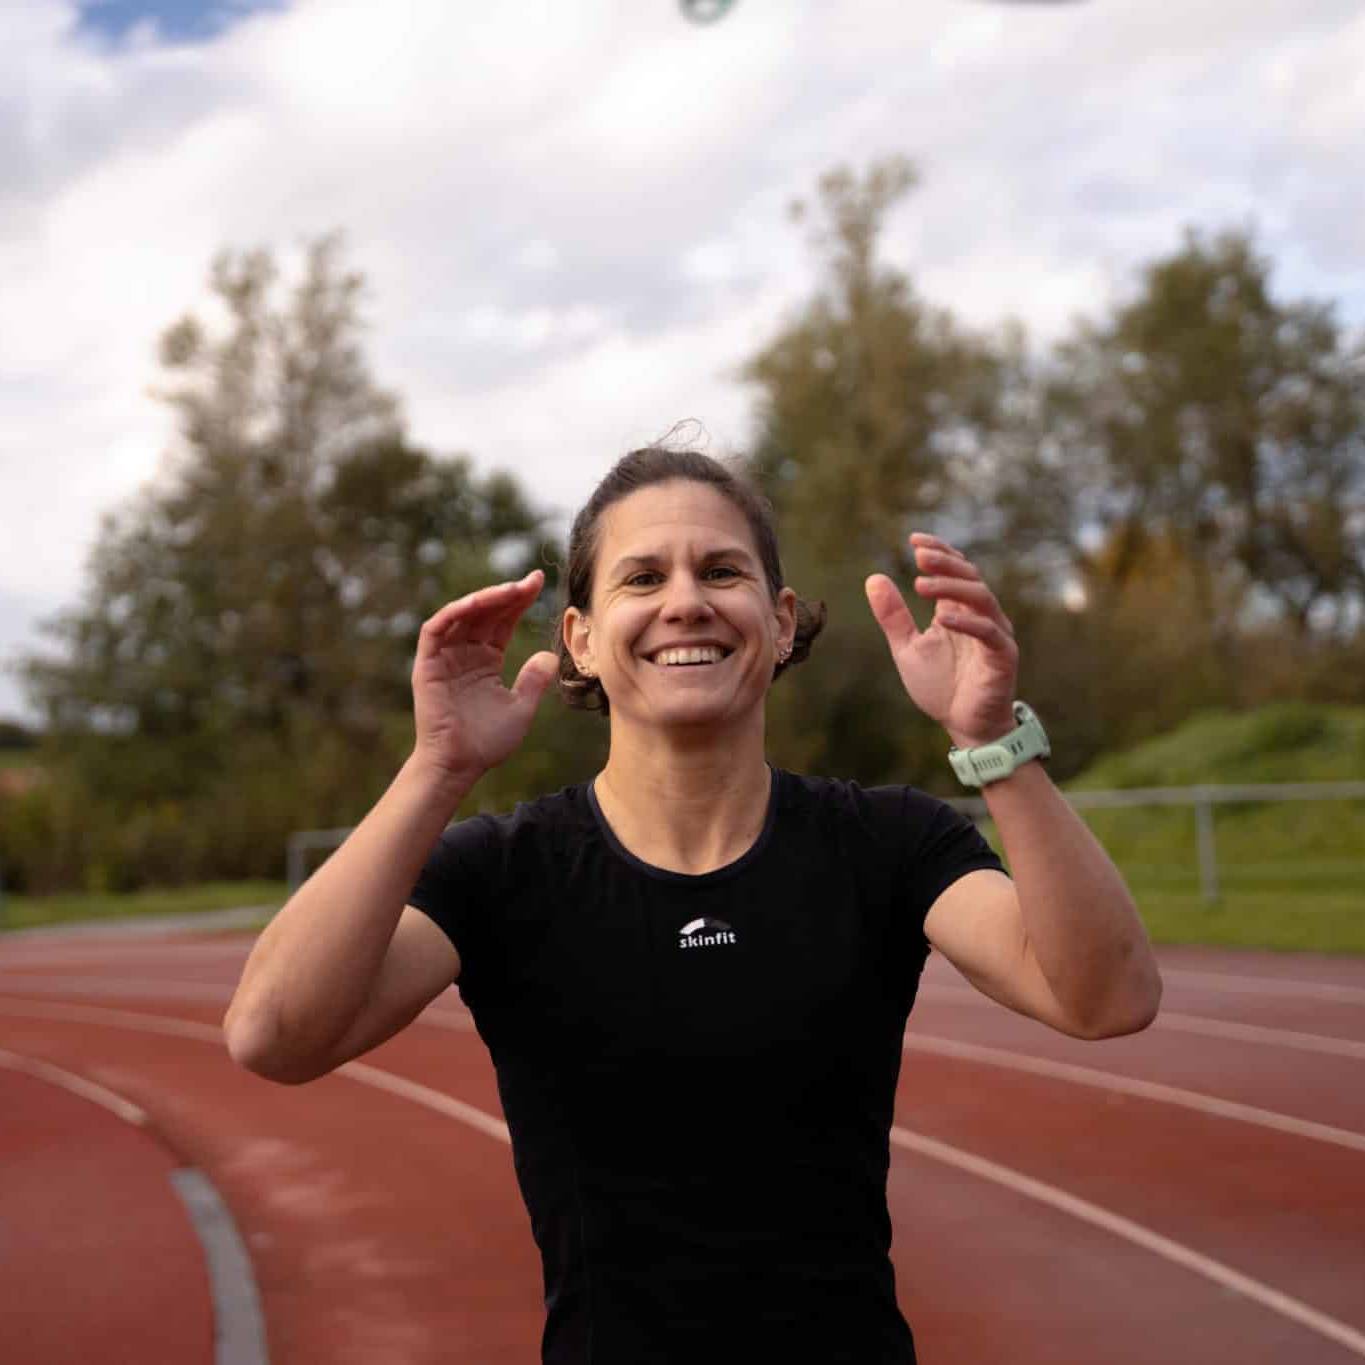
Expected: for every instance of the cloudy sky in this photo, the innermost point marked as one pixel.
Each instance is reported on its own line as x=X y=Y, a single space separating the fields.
x=571 y=212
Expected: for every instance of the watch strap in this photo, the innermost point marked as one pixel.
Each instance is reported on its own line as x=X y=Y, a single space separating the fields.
x=988 y=763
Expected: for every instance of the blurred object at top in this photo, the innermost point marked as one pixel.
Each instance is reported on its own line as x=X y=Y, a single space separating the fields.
x=706 y=11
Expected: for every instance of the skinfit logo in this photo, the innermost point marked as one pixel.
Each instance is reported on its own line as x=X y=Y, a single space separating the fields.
x=705 y=933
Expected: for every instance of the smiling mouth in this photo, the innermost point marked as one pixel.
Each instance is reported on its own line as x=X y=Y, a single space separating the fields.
x=690 y=658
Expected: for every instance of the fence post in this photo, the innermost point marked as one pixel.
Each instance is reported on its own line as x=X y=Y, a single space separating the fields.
x=1208 y=853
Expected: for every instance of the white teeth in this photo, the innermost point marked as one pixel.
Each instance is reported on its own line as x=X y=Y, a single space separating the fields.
x=705 y=654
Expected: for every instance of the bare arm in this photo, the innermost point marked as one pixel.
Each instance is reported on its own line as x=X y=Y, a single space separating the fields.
x=329 y=974
x=1063 y=942
x=314 y=966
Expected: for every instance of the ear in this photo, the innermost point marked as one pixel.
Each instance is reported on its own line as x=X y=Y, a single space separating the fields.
x=786 y=617
x=577 y=632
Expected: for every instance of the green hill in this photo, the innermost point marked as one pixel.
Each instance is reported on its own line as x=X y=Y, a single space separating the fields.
x=1291 y=875
x=1286 y=742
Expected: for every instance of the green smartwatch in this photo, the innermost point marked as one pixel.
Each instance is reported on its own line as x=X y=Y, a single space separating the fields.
x=991 y=762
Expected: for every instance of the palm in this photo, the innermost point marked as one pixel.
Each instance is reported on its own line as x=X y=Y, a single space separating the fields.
x=953 y=679
x=466 y=718
x=961 y=670
x=463 y=706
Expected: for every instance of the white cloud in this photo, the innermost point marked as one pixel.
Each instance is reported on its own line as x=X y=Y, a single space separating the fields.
x=572 y=216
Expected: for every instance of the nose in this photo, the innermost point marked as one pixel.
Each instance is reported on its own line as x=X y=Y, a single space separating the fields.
x=685 y=600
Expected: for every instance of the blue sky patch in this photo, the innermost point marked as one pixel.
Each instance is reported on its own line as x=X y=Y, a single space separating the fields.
x=177 y=21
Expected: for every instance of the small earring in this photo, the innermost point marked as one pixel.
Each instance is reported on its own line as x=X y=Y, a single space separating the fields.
x=784 y=654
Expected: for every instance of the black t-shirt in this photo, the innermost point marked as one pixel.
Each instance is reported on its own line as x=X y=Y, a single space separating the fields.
x=698 y=1071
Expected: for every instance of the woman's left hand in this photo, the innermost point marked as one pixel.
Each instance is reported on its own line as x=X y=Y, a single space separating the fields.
x=962 y=670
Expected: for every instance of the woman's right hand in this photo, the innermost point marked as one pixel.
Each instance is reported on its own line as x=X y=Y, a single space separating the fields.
x=467 y=721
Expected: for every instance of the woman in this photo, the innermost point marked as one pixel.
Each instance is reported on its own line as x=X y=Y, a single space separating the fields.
x=693 y=973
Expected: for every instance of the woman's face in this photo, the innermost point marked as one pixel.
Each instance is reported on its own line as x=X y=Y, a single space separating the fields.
x=677 y=568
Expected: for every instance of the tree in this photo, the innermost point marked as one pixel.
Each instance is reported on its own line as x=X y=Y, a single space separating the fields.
x=1207 y=412
x=873 y=410
x=245 y=638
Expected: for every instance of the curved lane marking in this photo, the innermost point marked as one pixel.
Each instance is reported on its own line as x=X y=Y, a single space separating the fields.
x=459 y=1021
x=1192 y=1023
x=1124 y=1228
x=42 y=984
x=45 y=984
x=1126 y=1085
x=1264 y=1294
x=239 y=1324
x=78 y=1085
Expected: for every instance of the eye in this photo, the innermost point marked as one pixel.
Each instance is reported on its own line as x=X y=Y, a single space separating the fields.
x=634 y=581
x=725 y=569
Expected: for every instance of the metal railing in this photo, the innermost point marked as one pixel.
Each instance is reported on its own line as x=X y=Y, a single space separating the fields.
x=1202 y=798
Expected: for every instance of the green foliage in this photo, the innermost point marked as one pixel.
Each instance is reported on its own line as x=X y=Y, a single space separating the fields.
x=1170 y=506
x=239 y=664
x=15 y=738
x=1207 y=412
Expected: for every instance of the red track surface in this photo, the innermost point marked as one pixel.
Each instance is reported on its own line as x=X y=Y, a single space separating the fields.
x=384 y=1228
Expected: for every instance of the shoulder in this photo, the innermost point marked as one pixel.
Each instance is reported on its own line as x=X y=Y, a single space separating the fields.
x=889 y=811
x=491 y=842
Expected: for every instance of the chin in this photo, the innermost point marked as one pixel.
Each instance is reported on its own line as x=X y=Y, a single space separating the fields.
x=721 y=714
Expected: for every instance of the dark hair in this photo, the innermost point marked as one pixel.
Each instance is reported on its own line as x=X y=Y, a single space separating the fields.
x=641 y=468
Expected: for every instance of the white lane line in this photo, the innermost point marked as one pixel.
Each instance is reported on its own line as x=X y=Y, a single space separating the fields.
x=457 y=1019
x=1258 y=1033
x=434 y=1099
x=78 y=1085
x=99 y=1014
x=1124 y=1228
x=1125 y=1085
x=1191 y=1023
x=1332 y=1328
x=44 y=984
x=1261 y=985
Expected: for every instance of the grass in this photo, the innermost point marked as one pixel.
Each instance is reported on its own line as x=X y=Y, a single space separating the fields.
x=26 y=912
x=1316 y=921
x=1275 y=890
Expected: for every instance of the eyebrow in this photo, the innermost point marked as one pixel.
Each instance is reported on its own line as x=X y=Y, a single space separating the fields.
x=649 y=560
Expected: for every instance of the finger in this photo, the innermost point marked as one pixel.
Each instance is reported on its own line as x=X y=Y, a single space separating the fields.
x=937 y=561
x=536 y=675
x=918 y=538
x=472 y=616
x=979 y=628
x=502 y=627
x=888 y=606
x=474 y=601
x=974 y=594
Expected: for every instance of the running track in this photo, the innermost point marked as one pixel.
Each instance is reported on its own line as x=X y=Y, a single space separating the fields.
x=1195 y=1193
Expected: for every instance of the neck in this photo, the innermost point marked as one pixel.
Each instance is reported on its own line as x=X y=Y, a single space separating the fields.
x=686 y=806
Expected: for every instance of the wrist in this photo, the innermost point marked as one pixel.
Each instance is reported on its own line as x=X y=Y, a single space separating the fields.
x=440 y=781
x=992 y=760
x=989 y=732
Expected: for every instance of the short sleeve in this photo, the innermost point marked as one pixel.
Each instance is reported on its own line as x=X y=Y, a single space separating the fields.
x=456 y=888
x=949 y=847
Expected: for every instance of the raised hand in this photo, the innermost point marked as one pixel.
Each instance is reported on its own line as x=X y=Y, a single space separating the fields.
x=962 y=670
x=467 y=721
